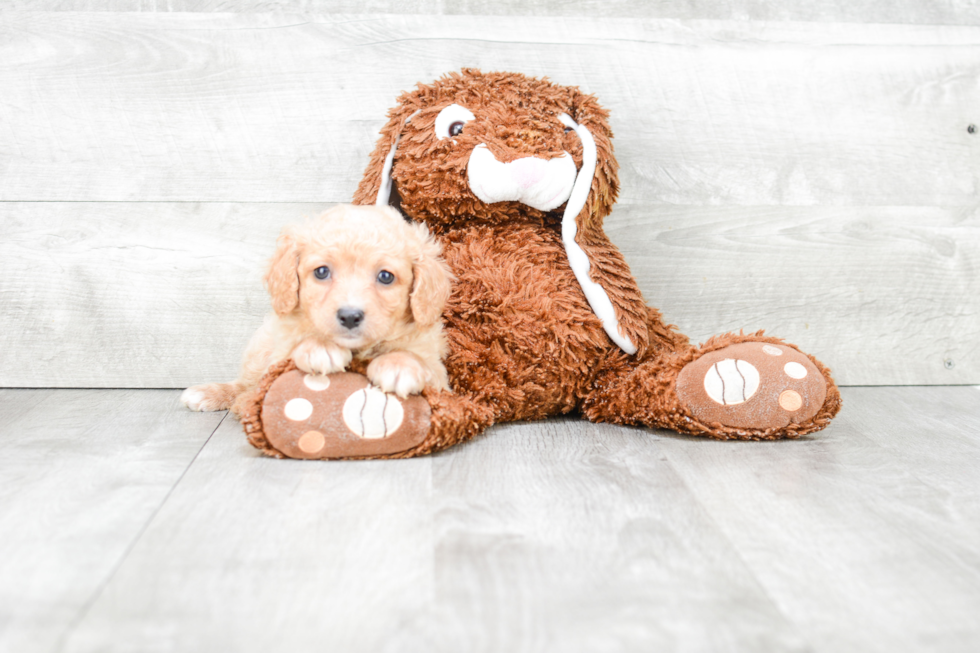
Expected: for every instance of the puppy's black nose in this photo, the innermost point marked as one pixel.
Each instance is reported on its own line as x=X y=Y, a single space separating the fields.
x=350 y=317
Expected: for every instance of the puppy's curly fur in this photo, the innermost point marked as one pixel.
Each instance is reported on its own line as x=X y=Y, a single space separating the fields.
x=357 y=282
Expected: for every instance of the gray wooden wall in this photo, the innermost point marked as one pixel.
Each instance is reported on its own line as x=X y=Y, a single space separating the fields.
x=804 y=167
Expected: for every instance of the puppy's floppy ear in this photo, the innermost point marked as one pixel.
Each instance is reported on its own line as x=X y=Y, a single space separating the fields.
x=282 y=278
x=432 y=279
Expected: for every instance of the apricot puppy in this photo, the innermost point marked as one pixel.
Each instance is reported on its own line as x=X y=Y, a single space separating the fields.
x=359 y=281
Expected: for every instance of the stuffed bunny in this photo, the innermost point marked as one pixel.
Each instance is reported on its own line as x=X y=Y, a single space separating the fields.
x=515 y=175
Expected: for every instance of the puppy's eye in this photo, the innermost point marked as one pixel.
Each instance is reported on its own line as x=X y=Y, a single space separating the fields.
x=386 y=277
x=450 y=121
x=321 y=272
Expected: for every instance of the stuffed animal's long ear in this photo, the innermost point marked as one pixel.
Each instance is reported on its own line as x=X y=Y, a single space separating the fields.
x=375 y=186
x=432 y=279
x=598 y=264
x=282 y=278
x=588 y=114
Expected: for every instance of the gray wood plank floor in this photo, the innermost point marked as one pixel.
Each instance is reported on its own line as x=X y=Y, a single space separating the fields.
x=128 y=524
x=82 y=474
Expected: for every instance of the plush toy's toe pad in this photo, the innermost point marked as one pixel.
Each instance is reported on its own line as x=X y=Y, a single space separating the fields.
x=752 y=385
x=339 y=416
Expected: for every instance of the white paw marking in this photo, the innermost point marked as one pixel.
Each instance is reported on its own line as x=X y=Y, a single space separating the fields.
x=193 y=399
x=370 y=413
x=731 y=381
x=795 y=370
x=772 y=351
x=322 y=360
x=196 y=399
x=316 y=383
x=339 y=359
x=298 y=409
x=403 y=381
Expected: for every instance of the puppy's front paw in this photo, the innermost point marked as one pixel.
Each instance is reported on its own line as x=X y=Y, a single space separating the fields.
x=399 y=372
x=314 y=358
x=208 y=397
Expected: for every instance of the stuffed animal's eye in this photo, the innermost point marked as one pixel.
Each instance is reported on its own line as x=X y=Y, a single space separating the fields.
x=386 y=277
x=450 y=121
x=321 y=272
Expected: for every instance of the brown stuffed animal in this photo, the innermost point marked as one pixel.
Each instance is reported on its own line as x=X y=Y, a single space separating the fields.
x=515 y=176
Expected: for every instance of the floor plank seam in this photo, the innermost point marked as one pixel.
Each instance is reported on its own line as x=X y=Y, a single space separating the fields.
x=736 y=551
x=97 y=594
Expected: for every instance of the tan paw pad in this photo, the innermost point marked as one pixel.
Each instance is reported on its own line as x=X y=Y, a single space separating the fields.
x=311 y=442
x=790 y=400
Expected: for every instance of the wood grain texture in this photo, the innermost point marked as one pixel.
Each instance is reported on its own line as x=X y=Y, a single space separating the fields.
x=81 y=475
x=570 y=536
x=851 y=516
x=883 y=295
x=946 y=461
x=565 y=535
x=122 y=295
x=280 y=107
x=167 y=295
x=257 y=554
x=537 y=538
x=816 y=180
x=937 y=12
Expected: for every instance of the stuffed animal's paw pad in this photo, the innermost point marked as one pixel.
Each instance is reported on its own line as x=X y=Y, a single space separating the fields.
x=752 y=385
x=371 y=413
x=731 y=381
x=339 y=415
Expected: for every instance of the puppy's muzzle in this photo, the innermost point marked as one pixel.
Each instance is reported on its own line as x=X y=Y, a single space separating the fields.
x=350 y=318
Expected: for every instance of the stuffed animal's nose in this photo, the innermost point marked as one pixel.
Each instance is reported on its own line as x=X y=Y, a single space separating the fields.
x=350 y=318
x=528 y=171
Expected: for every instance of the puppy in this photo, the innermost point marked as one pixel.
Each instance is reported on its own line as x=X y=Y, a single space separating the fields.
x=357 y=281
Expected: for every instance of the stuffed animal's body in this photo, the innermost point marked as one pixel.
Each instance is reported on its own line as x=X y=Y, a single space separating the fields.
x=515 y=176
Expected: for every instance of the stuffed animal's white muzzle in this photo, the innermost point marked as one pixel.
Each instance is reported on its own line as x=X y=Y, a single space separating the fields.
x=544 y=184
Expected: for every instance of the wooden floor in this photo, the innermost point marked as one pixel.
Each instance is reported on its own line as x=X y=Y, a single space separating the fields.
x=130 y=524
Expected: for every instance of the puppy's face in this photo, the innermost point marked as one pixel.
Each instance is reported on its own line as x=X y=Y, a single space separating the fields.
x=359 y=274
x=355 y=295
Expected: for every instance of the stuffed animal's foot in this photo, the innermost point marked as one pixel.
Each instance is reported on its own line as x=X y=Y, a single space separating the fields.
x=760 y=386
x=334 y=416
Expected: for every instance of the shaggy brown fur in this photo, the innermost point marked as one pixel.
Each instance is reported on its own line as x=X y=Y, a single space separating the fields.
x=524 y=343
